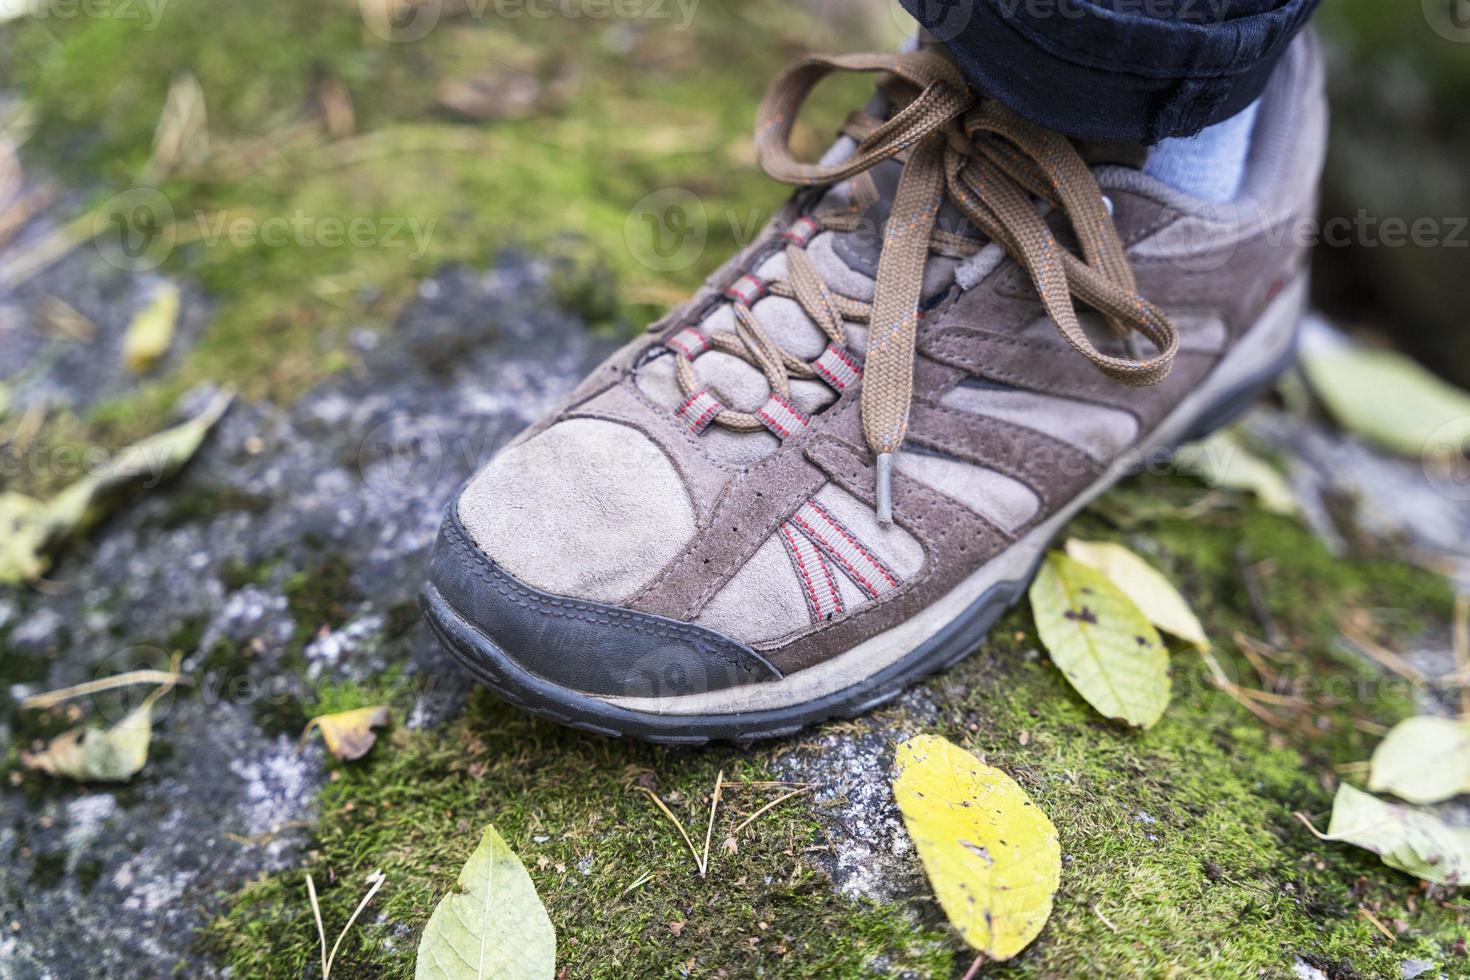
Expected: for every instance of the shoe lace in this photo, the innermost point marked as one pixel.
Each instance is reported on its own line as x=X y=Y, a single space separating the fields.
x=994 y=166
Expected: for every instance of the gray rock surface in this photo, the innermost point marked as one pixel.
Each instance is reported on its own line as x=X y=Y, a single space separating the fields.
x=349 y=485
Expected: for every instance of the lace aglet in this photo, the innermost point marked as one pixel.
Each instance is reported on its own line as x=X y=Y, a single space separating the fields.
x=885 y=488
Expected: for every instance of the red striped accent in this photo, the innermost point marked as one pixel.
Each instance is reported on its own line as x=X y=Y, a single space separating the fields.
x=802 y=231
x=850 y=539
x=747 y=289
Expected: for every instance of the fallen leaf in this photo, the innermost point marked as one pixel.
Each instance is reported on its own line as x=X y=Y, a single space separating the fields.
x=1423 y=760
x=1153 y=594
x=992 y=857
x=151 y=329
x=106 y=755
x=494 y=925
x=1407 y=839
x=36 y=526
x=1387 y=398
x=24 y=529
x=1101 y=641
x=349 y=734
x=1222 y=460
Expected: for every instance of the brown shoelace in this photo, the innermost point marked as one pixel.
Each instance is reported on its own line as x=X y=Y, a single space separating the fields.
x=995 y=167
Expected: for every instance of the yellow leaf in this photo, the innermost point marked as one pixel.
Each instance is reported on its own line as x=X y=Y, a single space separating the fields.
x=494 y=925
x=991 y=855
x=1153 y=594
x=1423 y=760
x=32 y=526
x=152 y=329
x=1101 y=641
x=349 y=734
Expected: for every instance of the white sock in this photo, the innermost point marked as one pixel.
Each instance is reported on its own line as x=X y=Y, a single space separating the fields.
x=1210 y=164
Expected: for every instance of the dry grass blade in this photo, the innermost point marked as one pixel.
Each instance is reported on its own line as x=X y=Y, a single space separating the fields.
x=52 y=698
x=714 y=804
x=1238 y=694
x=1377 y=924
x=768 y=807
x=375 y=879
x=24 y=208
x=316 y=911
x=678 y=825
x=1384 y=657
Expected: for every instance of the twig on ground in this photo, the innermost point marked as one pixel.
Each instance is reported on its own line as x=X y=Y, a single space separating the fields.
x=1105 y=920
x=1238 y=695
x=321 y=930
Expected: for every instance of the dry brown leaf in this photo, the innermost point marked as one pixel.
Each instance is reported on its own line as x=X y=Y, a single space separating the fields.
x=349 y=734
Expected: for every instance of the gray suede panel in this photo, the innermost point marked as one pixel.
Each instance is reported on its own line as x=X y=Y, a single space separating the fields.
x=1100 y=432
x=1004 y=501
x=763 y=601
x=587 y=509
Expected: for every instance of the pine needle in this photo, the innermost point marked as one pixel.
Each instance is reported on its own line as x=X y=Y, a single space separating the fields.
x=709 y=833
x=769 y=806
x=678 y=824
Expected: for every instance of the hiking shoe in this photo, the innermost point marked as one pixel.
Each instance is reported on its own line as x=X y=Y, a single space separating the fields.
x=830 y=472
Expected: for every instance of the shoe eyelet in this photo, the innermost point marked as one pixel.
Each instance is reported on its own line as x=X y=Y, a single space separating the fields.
x=1108 y=203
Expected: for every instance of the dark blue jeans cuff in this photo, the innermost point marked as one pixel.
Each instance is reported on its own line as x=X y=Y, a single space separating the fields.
x=1139 y=70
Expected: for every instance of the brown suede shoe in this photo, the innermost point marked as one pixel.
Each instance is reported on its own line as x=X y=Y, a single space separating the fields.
x=831 y=471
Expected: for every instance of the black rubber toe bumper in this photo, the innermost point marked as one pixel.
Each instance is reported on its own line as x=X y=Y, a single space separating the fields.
x=587 y=647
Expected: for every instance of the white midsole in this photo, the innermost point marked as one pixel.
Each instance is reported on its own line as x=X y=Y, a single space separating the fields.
x=1261 y=347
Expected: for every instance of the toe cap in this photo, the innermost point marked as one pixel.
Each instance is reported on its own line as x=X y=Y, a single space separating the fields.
x=586 y=646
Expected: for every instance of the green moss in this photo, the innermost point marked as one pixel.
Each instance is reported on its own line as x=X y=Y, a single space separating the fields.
x=89 y=871
x=1182 y=838
x=48 y=870
x=321 y=597
x=611 y=871
x=201 y=503
x=630 y=115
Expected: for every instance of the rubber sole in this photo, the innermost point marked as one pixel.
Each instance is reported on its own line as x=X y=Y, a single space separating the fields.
x=951 y=643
